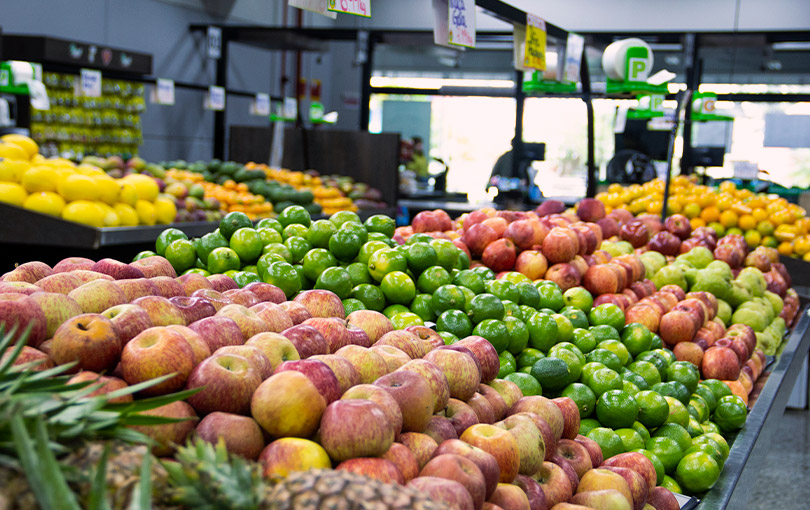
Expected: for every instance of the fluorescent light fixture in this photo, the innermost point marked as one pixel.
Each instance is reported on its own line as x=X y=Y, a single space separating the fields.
x=437 y=83
x=666 y=47
x=791 y=46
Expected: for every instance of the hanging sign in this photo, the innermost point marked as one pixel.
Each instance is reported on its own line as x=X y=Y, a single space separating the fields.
x=163 y=93
x=573 y=57
x=356 y=7
x=316 y=6
x=214 y=42
x=441 y=25
x=215 y=99
x=261 y=105
x=535 y=53
x=461 y=23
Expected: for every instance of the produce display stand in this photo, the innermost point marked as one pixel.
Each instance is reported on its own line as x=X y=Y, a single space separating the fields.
x=750 y=447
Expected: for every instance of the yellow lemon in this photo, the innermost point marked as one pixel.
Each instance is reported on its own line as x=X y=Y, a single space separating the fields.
x=62 y=162
x=89 y=170
x=28 y=145
x=146 y=212
x=146 y=186
x=79 y=187
x=128 y=193
x=40 y=178
x=12 y=151
x=12 y=193
x=109 y=190
x=45 y=202
x=126 y=215
x=165 y=210
x=12 y=170
x=759 y=214
x=85 y=212
x=62 y=172
x=111 y=218
x=39 y=159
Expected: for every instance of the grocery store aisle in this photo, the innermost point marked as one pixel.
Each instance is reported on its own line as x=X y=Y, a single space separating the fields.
x=783 y=481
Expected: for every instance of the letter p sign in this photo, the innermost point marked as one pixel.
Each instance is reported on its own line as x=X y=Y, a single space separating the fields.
x=638 y=69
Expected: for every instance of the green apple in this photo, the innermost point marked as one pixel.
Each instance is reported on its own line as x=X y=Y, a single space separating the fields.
x=699 y=256
x=653 y=261
x=618 y=248
x=670 y=275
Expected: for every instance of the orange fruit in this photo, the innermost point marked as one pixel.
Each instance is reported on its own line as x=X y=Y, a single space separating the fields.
x=747 y=222
x=697 y=222
x=759 y=214
x=710 y=214
x=45 y=202
x=785 y=248
x=728 y=218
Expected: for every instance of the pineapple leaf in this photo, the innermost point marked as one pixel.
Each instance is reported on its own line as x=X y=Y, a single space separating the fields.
x=63 y=497
x=144 y=488
x=150 y=403
x=98 y=489
x=145 y=419
x=5 y=366
x=129 y=390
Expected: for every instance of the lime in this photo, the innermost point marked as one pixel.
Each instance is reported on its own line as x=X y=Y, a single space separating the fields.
x=197 y=270
x=586 y=425
x=550 y=296
x=432 y=278
x=471 y=280
x=616 y=409
x=604 y=380
x=646 y=370
x=231 y=273
x=656 y=462
x=383 y=262
x=527 y=312
x=697 y=472
x=552 y=373
x=358 y=229
x=667 y=451
x=392 y=310
x=653 y=408
x=243 y=278
x=565 y=330
x=605 y=357
x=485 y=306
x=588 y=370
x=398 y=288
x=449 y=338
x=656 y=343
x=446 y=251
x=642 y=430
x=511 y=309
x=617 y=348
x=576 y=316
x=583 y=396
x=485 y=273
x=712 y=449
x=706 y=394
x=636 y=338
x=638 y=381
x=345 y=244
x=730 y=413
x=320 y=232
x=629 y=387
x=676 y=432
x=528 y=385
x=419 y=237
x=717 y=387
x=421 y=307
x=463 y=261
x=281 y=274
x=671 y=485
x=316 y=261
x=666 y=354
x=673 y=389
x=528 y=357
x=447 y=297
x=610 y=442
x=144 y=254
x=247 y=243
x=506 y=364
x=298 y=247
x=516 y=278
x=495 y=332
x=573 y=362
x=306 y=283
x=181 y=254
x=165 y=239
x=528 y=294
x=660 y=362
x=542 y=331
x=631 y=439
x=583 y=339
x=405 y=319
x=335 y=279
x=223 y=259
x=604 y=332
x=382 y=224
x=295 y=214
x=568 y=346
x=607 y=314
x=278 y=249
x=454 y=321
x=341 y=217
x=677 y=412
x=270 y=223
x=518 y=334
x=269 y=235
x=503 y=289
x=352 y=305
x=693 y=427
x=370 y=295
x=685 y=373
x=232 y=222
x=295 y=230
x=579 y=298
x=420 y=257
x=368 y=249
x=358 y=272
x=265 y=260
x=710 y=426
x=698 y=408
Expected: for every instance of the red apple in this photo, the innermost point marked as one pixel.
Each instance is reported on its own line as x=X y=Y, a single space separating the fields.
x=227 y=383
x=637 y=462
x=89 y=340
x=478 y=237
x=449 y=493
x=413 y=395
x=555 y=483
x=460 y=469
x=288 y=404
x=460 y=369
x=720 y=363
x=241 y=434
x=168 y=435
x=154 y=266
x=218 y=331
x=500 y=444
x=373 y=323
x=297 y=312
x=155 y=352
x=500 y=255
x=543 y=407
x=193 y=308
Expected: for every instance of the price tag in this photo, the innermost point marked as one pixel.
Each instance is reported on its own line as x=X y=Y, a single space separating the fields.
x=745 y=170
x=356 y=7
x=90 y=83
x=316 y=6
x=573 y=57
x=535 y=55
x=214 y=42
x=461 y=21
x=215 y=99
x=163 y=92
x=290 y=108
x=261 y=105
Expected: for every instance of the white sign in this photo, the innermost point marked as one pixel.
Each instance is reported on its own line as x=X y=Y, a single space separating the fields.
x=290 y=108
x=461 y=22
x=441 y=23
x=316 y=6
x=215 y=99
x=214 y=42
x=573 y=57
x=163 y=93
x=356 y=7
x=261 y=105
x=90 y=83
x=745 y=170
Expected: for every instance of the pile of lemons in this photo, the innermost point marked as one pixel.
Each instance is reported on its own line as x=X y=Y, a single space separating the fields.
x=79 y=193
x=763 y=219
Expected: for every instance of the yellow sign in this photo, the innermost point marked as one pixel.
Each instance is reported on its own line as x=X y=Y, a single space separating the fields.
x=535 y=55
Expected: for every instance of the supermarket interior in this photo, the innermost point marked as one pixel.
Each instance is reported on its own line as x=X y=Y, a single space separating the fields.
x=435 y=254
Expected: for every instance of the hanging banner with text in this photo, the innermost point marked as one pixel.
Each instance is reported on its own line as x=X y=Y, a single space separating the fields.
x=573 y=57
x=89 y=83
x=260 y=105
x=215 y=99
x=535 y=53
x=316 y=6
x=461 y=18
x=163 y=93
x=356 y=7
